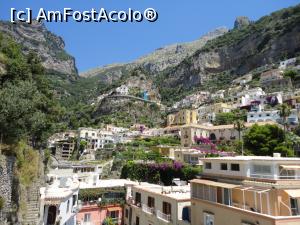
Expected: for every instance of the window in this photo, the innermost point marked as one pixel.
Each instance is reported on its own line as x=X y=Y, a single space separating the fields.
x=223 y=166
x=68 y=205
x=294 y=206
x=151 y=202
x=209 y=219
x=87 y=217
x=138 y=198
x=247 y=223
x=114 y=214
x=261 y=169
x=208 y=165
x=235 y=167
x=137 y=220
x=74 y=200
x=226 y=196
x=167 y=208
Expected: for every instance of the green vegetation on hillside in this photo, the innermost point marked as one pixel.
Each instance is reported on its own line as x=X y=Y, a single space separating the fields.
x=175 y=82
x=159 y=172
x=154 y=141
x=266 y=140
x=277 y=23
x=27 y=107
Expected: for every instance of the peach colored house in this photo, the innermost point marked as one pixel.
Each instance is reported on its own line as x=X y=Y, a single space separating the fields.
x=101 y=200
x=95 y=214
x=247 y=190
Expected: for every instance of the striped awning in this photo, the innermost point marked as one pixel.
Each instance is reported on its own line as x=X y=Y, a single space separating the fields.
x=294 y=193
x=290 y=167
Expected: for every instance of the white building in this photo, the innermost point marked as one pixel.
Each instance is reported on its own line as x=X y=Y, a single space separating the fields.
x=59 y=201
x=97 y=138
x=86 y=174
x=286 y=63
x=242 y=80
x=193 y=100
x=156 y=205
x=189 y=156
x=122 y=90
x=115 y=129
x=266 y=116
x=264 y=167
x=218 y=95
x=263 y=116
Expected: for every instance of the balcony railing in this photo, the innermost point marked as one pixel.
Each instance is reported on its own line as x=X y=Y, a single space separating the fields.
x=272 y=177
x=87 y=223
x=116 y=220
x=163 y=216
x=147 y=209
x=131 y=201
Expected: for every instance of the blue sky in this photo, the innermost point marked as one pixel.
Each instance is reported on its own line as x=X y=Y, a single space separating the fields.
x=97 y=44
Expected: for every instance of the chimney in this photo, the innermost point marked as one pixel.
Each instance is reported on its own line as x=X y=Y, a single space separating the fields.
x=276 y=155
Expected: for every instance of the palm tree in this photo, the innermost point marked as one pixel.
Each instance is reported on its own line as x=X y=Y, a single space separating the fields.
x=284 y=112
x=108 y=221
x=239 y=125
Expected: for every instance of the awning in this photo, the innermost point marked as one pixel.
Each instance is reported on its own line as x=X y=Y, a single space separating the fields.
x=290 y=167
x=213 y=183
x=294 y=193
x=110 y=209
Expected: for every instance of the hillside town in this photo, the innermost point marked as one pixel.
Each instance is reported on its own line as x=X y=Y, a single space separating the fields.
x=205 y=132
x=85 y=187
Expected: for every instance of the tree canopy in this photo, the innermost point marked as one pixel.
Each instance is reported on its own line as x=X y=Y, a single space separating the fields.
x=266 y=140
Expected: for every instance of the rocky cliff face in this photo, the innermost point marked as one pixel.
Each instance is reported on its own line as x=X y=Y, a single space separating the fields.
x=241 y=22
x=156 y=61
x=36 y=37
x=239 y=51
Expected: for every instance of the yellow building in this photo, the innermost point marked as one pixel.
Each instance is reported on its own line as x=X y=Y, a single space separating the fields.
x=183 y=117
x=214 y=133
x=220 y=108
x=208 y=113
x=247 y=190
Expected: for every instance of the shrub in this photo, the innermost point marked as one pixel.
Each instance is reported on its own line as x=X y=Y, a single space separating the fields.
x=159 y=172
x=2 y=202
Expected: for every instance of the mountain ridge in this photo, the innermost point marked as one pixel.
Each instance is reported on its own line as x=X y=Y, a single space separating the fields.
x=49 y=46
x=159 y=59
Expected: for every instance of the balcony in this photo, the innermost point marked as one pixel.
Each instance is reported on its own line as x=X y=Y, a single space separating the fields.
x=131 y=201
x=87 y=223
x=274 y=177
x=163 y=216
x=116 y=220
x=147 y=209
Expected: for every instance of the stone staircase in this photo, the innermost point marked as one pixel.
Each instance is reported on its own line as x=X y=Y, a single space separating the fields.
x=32 y=216
x=33 y=205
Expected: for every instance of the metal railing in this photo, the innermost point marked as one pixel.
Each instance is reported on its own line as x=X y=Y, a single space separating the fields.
x=272 y=177
x=87 y=223
x=148 y=209
x=163 y=216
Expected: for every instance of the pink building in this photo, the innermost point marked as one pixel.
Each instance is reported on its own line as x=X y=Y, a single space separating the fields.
x=95 y=214
x=101 y=200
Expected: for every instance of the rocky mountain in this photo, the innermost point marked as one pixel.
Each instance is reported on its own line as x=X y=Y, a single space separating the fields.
x=266 y=41
x=50 y=47
x=156 y=61
x=171 y=72
x=241 y=21
x=127 y=110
